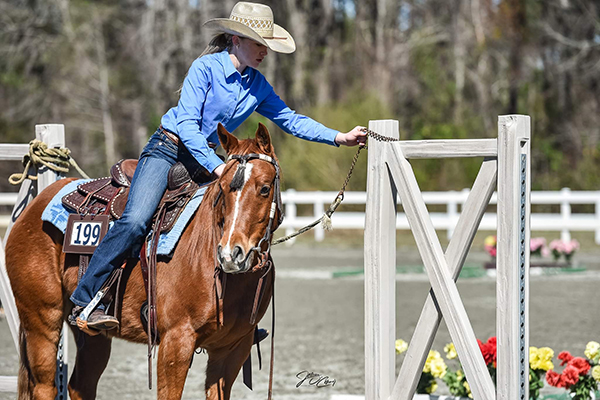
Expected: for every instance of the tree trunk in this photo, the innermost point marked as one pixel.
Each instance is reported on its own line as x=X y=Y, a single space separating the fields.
x=109 y=135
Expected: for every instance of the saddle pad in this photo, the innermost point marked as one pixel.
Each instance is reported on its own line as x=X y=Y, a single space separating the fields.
x=56 y=214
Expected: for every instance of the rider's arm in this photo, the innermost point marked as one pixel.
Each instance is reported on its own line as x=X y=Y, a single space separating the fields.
x=287 y=119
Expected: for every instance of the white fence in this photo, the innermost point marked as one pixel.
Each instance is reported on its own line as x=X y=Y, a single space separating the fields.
x=564 y=221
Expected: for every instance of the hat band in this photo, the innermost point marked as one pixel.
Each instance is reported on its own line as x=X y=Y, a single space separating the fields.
x=262 y=26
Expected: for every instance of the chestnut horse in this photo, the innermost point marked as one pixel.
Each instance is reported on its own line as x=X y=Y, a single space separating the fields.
x=225 y=232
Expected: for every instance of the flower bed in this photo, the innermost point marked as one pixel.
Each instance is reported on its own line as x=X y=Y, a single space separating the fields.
x=562 y=252
x=579 y=377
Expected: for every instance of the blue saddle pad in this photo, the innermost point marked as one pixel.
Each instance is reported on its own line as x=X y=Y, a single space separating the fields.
x=57 y=215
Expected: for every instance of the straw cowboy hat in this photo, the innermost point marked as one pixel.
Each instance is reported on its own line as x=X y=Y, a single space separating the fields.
x=255 y=21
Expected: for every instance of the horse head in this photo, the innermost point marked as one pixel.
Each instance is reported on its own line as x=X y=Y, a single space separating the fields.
x=248 y=207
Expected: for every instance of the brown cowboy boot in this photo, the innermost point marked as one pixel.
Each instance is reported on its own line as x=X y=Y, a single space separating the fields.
x=100 y=321
x=97 y=321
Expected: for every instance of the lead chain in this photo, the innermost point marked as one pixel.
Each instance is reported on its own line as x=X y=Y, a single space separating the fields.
x=340 y=196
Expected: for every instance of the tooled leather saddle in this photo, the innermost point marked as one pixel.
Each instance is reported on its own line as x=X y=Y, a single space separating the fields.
x=108 y=195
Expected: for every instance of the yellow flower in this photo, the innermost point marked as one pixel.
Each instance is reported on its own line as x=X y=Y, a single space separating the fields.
x=401 y=346
x=459 y=374
x=432 y=388
x=435 y=364
x=541 y=359
x=592 y=350
x=596 y=373
x=490 y=241
x=466 y=385
x=450 y=351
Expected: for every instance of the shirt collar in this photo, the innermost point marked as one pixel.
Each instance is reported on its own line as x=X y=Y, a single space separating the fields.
x=228 y=67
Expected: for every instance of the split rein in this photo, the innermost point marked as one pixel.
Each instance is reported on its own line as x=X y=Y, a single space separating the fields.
x=326 y=218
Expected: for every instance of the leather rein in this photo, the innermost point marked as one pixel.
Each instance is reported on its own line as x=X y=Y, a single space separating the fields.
x=264 y=255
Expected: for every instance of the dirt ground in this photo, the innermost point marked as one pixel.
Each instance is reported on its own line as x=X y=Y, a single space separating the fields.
x=320 y=324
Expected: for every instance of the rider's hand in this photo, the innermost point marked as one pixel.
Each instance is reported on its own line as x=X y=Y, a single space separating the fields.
x=219 y=170
x=355 y=137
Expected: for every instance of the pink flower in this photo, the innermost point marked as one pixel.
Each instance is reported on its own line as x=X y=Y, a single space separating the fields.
x=536 y=243
x=570 y=247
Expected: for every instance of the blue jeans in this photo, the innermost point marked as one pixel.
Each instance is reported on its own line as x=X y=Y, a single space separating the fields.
x=126 y=237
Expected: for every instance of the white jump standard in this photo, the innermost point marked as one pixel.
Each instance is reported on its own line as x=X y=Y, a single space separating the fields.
x=506 y=162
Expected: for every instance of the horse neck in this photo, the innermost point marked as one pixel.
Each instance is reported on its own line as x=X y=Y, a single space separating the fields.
x=204 y=235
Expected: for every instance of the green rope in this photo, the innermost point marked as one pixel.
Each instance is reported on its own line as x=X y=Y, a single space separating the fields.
x=58 y=160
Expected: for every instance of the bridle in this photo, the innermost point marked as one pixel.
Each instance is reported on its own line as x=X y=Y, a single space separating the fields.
x=276 y=204
x=220 y=277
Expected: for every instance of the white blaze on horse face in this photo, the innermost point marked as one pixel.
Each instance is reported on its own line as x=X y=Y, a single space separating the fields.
x=236 y=211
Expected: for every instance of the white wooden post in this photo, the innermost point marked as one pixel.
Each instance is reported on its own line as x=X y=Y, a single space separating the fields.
x=380 y=269
x=512 y=258
x=318 y=211
x=54 y=136
x=565 y=213
x=598 y=220
x=291 y=211
x=452 y=211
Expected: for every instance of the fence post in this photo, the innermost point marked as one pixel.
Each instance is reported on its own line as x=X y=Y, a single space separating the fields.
x=514 y=171
x=598 y=221
x=54 y=136
x=291 y=212
x=318 y=211
x=380 y=269
x=452 y=211
x=565 y=213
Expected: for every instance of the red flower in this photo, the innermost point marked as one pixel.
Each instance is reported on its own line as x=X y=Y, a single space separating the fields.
x=492 y=347
x=581 y=364
x=554 y=379
x=488 y=350
x=565 y=356
x=570 y=376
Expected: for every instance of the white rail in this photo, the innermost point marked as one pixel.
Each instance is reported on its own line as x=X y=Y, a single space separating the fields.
x=564 y=221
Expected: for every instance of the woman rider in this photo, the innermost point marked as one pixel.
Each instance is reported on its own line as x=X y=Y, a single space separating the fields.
x=222 y=86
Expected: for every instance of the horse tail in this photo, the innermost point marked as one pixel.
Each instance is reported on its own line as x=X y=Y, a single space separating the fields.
x=25 y=380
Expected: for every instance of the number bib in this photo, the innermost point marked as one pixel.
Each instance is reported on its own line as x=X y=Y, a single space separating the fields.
x=84 y=233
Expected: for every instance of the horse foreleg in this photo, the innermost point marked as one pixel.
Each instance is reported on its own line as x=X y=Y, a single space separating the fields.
x=224 y=366
x=90 y=363
x=174 y=356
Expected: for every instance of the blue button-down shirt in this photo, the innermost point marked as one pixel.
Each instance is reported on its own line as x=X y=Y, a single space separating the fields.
x=214 y=91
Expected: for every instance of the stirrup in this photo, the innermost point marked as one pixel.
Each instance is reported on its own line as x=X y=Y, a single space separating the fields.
x=74 y=320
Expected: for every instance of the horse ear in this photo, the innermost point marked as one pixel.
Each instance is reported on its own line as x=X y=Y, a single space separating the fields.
x=263 y=139
x=228 y=141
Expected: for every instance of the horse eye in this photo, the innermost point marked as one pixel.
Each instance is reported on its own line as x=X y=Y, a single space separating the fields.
x=265 y=190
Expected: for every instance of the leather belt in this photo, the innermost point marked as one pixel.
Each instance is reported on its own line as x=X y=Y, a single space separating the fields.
x=175 y=139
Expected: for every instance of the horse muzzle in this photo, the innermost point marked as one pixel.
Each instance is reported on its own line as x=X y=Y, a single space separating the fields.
x=236 y=260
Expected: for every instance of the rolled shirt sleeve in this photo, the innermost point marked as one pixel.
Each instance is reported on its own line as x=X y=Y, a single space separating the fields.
x=287 y=119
